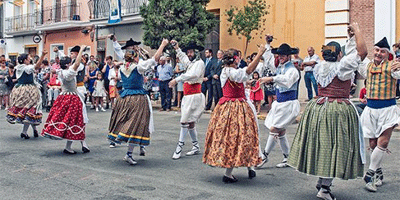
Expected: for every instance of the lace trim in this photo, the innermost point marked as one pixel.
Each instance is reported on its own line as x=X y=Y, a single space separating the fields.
x=322 y=78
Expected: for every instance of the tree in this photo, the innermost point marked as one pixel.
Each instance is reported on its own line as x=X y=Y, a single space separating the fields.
x=183 y=20
x=248 y=19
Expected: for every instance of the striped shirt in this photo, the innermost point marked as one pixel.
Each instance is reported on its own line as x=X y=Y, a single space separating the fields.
x=380 y=83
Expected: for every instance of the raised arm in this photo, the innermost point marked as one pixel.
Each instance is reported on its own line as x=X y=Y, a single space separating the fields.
x=37 y=66
x=354 y=29
x=252 y=66
x=160 y=49
x=79 y=58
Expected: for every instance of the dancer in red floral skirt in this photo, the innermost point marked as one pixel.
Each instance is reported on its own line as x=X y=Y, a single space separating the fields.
x=66 y=120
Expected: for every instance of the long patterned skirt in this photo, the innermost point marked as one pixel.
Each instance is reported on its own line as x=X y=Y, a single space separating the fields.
x=232 y=136
x=130 y=120
x=25 y=101
x=65 y=120
x=327 y=141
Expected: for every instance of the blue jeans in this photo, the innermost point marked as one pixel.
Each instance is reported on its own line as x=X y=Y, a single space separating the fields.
x=308 y=79
x=166 y=94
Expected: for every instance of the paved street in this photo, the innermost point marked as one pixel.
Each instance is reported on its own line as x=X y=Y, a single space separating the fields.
x=37 y=169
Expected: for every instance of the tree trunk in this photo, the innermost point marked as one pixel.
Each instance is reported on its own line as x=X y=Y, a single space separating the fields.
x=245 y=50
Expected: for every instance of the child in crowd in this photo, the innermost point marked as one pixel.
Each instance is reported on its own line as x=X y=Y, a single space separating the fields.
x=256 y=94
x=99 y=92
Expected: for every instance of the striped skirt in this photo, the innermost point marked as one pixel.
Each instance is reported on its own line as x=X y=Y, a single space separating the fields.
x=232 y=136
x=130 y=120
x=327 y=141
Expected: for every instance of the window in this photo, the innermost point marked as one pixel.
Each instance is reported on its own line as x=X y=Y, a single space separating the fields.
x=60 y=48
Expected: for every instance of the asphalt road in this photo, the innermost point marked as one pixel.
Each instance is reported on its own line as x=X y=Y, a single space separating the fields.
x=37 y=169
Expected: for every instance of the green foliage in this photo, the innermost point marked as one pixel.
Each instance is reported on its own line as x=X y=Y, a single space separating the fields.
x=183 y=20
x=247 y=19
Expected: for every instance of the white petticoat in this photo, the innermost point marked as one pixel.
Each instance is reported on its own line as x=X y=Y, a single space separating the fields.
x=375 y=121
x=192 y=107
x=282 y=114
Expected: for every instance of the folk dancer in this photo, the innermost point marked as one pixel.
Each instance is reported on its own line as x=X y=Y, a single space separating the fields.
x=232 y=134
x=25 y=98
x=286 y=108
x=67 y=119
x=381 y=115
x=329 y=142
x=193 y=101
x=132 y=118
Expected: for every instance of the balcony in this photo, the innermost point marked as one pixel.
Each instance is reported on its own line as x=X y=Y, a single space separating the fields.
x=100 y=9
x=22 y=24
x=62 y=16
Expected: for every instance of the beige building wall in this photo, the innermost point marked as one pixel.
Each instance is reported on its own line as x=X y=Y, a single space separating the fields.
x=299 y=23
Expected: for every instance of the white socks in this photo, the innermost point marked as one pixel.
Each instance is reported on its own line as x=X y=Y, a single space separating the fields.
x=68 y=145
x=284 y=145
x=130 y=148
x=228 y=172
x=184 y=130
x=34 y=127
x=25 y=129
x=84 y=144
x=193 y=134
x=270 y=143
x=376 y=158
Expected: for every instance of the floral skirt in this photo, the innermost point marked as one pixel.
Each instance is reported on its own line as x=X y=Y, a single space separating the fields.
x=232 y=136
x=65 y=120
x=130 y=120
x=25 y=105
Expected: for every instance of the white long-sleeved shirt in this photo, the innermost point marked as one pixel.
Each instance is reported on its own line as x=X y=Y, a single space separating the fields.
x=290 y=77
x=269 y=60
x=194 y=69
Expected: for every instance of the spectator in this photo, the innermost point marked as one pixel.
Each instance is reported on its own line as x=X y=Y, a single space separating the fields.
x=216 y=73
x=206 y=88
x=256 y=93
x=179 y=69
x=165 y=73
x=114 y=79
x=92 y=76
x=4 y=90
x=308 y=65
x=56 y=64
x=54 y=88
x=106 y=70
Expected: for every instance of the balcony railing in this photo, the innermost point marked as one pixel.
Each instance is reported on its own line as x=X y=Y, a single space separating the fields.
x=61 y=13
x=101 y=8
x=25 y=22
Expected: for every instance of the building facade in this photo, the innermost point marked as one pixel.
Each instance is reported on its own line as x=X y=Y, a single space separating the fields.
x=129 y=27
x=21 y=17
x=66 y=23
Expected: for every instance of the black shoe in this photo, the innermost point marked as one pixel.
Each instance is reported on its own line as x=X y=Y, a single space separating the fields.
x=24 y=135
x=252 y=174
x=35 y=133
x=69 y=152
x=226 y=179
x=85 y=150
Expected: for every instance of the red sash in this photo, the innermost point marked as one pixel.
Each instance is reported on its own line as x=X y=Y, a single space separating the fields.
x=189 y=89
